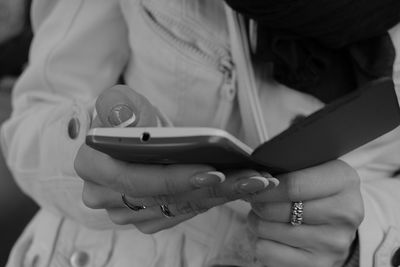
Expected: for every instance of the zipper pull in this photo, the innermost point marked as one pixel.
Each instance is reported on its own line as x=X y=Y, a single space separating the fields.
x=227 y=92
x=229 y=88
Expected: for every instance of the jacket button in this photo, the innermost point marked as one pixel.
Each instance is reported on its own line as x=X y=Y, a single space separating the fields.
x=73 y=128
x=396 y=258
x=79 y=259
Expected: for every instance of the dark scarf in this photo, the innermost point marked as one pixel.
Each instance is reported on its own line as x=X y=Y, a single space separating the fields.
x=326 y=48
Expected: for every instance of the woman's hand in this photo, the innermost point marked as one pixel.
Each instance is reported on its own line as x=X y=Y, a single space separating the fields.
x=183 y=190
x=332 y=211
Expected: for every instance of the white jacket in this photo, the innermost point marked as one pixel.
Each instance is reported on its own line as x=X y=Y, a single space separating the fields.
x=175 y=52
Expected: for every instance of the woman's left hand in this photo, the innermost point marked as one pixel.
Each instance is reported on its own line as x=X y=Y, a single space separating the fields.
x=332 y=211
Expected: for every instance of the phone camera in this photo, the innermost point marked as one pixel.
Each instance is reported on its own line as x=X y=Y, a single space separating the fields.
x=145 y=137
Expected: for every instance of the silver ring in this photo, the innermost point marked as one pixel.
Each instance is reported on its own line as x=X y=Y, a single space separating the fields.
x=296 y=216
x=130 y=205
x=166 y=212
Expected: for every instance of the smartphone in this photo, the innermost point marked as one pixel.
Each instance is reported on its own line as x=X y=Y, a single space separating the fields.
x=327 y=134
x=168 y=145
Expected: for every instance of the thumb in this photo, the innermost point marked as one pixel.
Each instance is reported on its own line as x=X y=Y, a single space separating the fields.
x=121 y=106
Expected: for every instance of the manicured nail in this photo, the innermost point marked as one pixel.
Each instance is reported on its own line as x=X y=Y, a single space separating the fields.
x=122 y=116
x=208 y=179
x=273 y=182
x=266 y=174
x=252 y=185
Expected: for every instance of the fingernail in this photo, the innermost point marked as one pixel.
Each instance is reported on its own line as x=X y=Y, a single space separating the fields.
x=208 y=179
x=266 y=174
x=252 y=185
x=122 y=116
x=273 y=182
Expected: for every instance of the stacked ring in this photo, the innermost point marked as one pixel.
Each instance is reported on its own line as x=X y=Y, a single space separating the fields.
x=296 y=217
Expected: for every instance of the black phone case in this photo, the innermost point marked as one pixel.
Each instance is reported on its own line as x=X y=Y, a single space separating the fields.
x=335 y=130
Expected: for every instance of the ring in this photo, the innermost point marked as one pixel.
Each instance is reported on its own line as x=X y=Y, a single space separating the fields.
x=296 y=217
x=131 y=206
x=166 y=212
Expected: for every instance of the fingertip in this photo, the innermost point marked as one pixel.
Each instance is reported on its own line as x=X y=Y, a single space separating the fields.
x=122 y=116
x=263 y=180
x=206 y=179
x=115 y=109
x=273 y=182
x=121 y=106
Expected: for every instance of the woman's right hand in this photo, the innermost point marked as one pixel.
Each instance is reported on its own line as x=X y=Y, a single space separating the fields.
x=185 y=190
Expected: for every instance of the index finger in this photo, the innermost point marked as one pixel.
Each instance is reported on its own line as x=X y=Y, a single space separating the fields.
x=138 y=180
x=321 y=181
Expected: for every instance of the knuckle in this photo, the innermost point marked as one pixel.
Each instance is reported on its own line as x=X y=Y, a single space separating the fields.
x=91 y=200
x=294 y=188
x=353 y=179
x=356 y=217
x=212 y=192
x=349 y=174
x=233 y=192
x=152 y=227
x=359 y=216
x=163 y=199
x=124 y=180
x=170 y=184
x=251 y=198
x=263 y=210
x=117 y=218
x=145 y=229
x=353 y=215
x=190 y=207
x=79 y=162
x=340 y=243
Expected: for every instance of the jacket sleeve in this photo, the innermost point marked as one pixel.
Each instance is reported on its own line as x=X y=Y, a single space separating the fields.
x=379 y=233
x=79 y=49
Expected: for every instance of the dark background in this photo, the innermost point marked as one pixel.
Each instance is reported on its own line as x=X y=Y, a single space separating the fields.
x=16 y=209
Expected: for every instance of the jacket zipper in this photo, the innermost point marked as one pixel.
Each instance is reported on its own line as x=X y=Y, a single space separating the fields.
x=251 y=111
x=221 y=60
x=151 y=15
x=228 y=91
